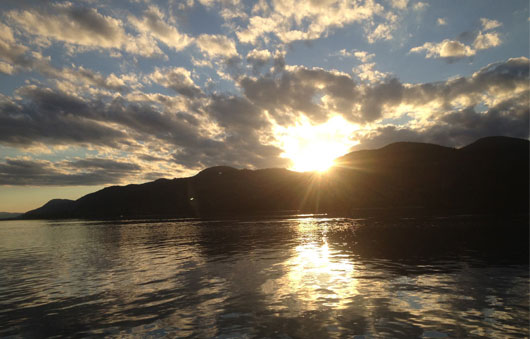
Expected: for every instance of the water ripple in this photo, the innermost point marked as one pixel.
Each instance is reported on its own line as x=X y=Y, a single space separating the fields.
x=298 y=277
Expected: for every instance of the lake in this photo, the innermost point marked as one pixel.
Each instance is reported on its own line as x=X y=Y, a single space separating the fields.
x=292 y=277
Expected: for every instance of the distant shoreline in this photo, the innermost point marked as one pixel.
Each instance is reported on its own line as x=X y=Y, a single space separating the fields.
x=369 y=213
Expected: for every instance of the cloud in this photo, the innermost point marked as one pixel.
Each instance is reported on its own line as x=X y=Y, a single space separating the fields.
x=88 y=77
x=44 y=120
x=258 y=58
x=108 y=165
x=80 y=26
x=239 y=143
x=91 y=171
x=68 y=23
x=154 y=24
x=381 y=32
x=367 y=72
x=296 y=92
x=441 y=22
x=458 y=128
x=10 y=51
x=17 y=59
x=6 y=68
x=43 y=115
x=342 y=53
x=317 y=94
x=489 y=85
x=467 y=44
x=420 y=6
x=486 y=40
x=178 y=79
x=488 y=24
x=194 y=129
x=363 y=56
x=399 y=4
x=445 y=49
x=219 y=129
x=216 y=46
x=293 y=20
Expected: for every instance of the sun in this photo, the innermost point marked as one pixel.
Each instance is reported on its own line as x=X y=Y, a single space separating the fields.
x=312 y=156
x=314 y=148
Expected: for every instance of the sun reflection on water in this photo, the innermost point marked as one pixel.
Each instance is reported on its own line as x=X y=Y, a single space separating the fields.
x=315 y=276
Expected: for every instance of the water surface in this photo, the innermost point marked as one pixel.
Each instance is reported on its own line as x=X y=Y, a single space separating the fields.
x=280 y=278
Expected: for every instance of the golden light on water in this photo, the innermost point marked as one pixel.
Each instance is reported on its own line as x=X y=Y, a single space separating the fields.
x=316 y=275
x=314 y=148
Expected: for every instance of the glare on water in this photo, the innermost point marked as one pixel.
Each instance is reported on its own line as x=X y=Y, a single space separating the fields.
x=292 y=277
x=316 y=277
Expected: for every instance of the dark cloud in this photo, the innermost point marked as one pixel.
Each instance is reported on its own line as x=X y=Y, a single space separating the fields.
x=459 y=128
x=278 y=63
x=178 y=79
x=498 y=79
x=236 y=112
x=44 y=116
x=257 y=59
x=388 y=93
x=91 y=21
x=233 y=151
x=241 y=146
x=52 y=117
x=71 y=24
x=49 y=116
x=106 y=164
x=298 y=91
x=233 y=67
x=81 y=172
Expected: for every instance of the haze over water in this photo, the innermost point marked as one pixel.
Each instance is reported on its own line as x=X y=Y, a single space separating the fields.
x=279 y=278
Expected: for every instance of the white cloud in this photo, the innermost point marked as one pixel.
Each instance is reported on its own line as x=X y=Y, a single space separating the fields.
x=399 y=4
x=445 y=49
x=6 y=68
x=153 y=23
x=259 y=54
x=343 y=53
x=488 y=24
x=420 y=6
x=291 y=20
x=486 y=40
x=381 y=32
x=364 y=56
x=454 y=49
x=367 y=72
x=441 y=21
x=216 y=45
x=144 y=45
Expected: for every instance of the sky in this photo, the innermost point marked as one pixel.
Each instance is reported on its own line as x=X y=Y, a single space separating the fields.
x=99 y=93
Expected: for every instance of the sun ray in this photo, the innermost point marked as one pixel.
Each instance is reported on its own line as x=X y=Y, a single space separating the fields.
x=315 y=147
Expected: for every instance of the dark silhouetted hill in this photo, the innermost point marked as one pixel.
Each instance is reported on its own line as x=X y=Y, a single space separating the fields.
x=55 y=208
x=488 y=176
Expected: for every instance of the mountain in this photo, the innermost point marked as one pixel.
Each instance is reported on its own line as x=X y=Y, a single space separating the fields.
x=55 y=208
x=490 y=175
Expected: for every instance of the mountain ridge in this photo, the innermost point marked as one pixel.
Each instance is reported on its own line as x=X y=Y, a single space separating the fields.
x=488 y=175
